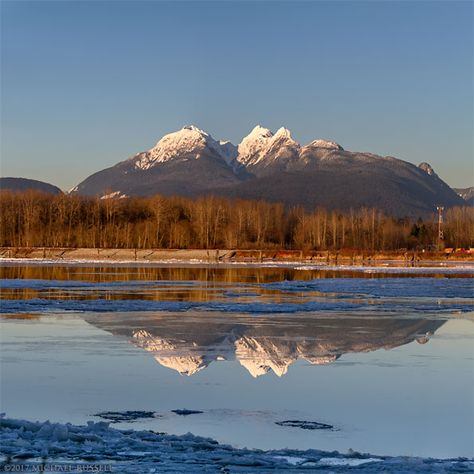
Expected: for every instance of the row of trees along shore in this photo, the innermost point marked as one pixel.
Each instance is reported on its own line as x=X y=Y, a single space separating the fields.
x=32 y=219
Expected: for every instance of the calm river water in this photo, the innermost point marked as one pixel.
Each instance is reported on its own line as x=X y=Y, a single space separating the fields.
x=385 y=358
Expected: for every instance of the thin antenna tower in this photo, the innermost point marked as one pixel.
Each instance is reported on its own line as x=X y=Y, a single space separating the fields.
x=440 y=210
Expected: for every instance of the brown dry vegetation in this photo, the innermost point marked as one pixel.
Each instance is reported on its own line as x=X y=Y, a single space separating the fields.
x=32 y=219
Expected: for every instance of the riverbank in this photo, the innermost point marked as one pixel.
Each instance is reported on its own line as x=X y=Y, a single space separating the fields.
x=343 y=257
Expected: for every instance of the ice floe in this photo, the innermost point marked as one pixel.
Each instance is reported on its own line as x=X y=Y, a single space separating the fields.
x=305 y=425
x=125 y=416
x=186 y=412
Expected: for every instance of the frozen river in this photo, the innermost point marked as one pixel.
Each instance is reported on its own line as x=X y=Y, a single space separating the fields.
x=269 y=358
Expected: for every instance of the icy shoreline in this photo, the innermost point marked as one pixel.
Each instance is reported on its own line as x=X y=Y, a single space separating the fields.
x=381 y=266
x=31 y=444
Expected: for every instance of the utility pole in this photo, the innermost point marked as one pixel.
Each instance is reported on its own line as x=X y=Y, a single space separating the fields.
x=440 y=210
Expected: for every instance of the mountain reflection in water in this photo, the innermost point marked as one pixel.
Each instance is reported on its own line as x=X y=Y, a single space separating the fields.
x=189 y=342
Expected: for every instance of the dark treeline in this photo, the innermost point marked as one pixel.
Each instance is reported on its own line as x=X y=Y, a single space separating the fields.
x=33 y=219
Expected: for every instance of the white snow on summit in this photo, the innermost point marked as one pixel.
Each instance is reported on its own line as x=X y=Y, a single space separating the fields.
x=260 y=146
x=325 y=144
x=250 y=148
x=261 y=143
x=189 y=139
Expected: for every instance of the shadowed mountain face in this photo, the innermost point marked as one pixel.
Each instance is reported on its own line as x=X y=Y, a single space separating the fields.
x=273 y=166
x=401 y=192
x=23 y=184
x=189 y=343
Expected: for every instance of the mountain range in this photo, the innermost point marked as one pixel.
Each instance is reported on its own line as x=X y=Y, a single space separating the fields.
x=273 y=166
x=269 y=166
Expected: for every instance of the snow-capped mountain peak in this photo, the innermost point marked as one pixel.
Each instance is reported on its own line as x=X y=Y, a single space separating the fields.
x=282 y=132
x=259 y=131
x=261 y=144
x=283 y=139
x=329 y=145
x=273 y=166
x=252 y=146
x=190 y=140
x=193 y=128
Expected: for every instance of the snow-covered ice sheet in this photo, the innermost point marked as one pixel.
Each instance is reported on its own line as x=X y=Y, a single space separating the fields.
x=382 y=287
x=130 y=451
x=426 y=269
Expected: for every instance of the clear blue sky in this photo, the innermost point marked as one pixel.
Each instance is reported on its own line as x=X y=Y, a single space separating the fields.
x=87 y=84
